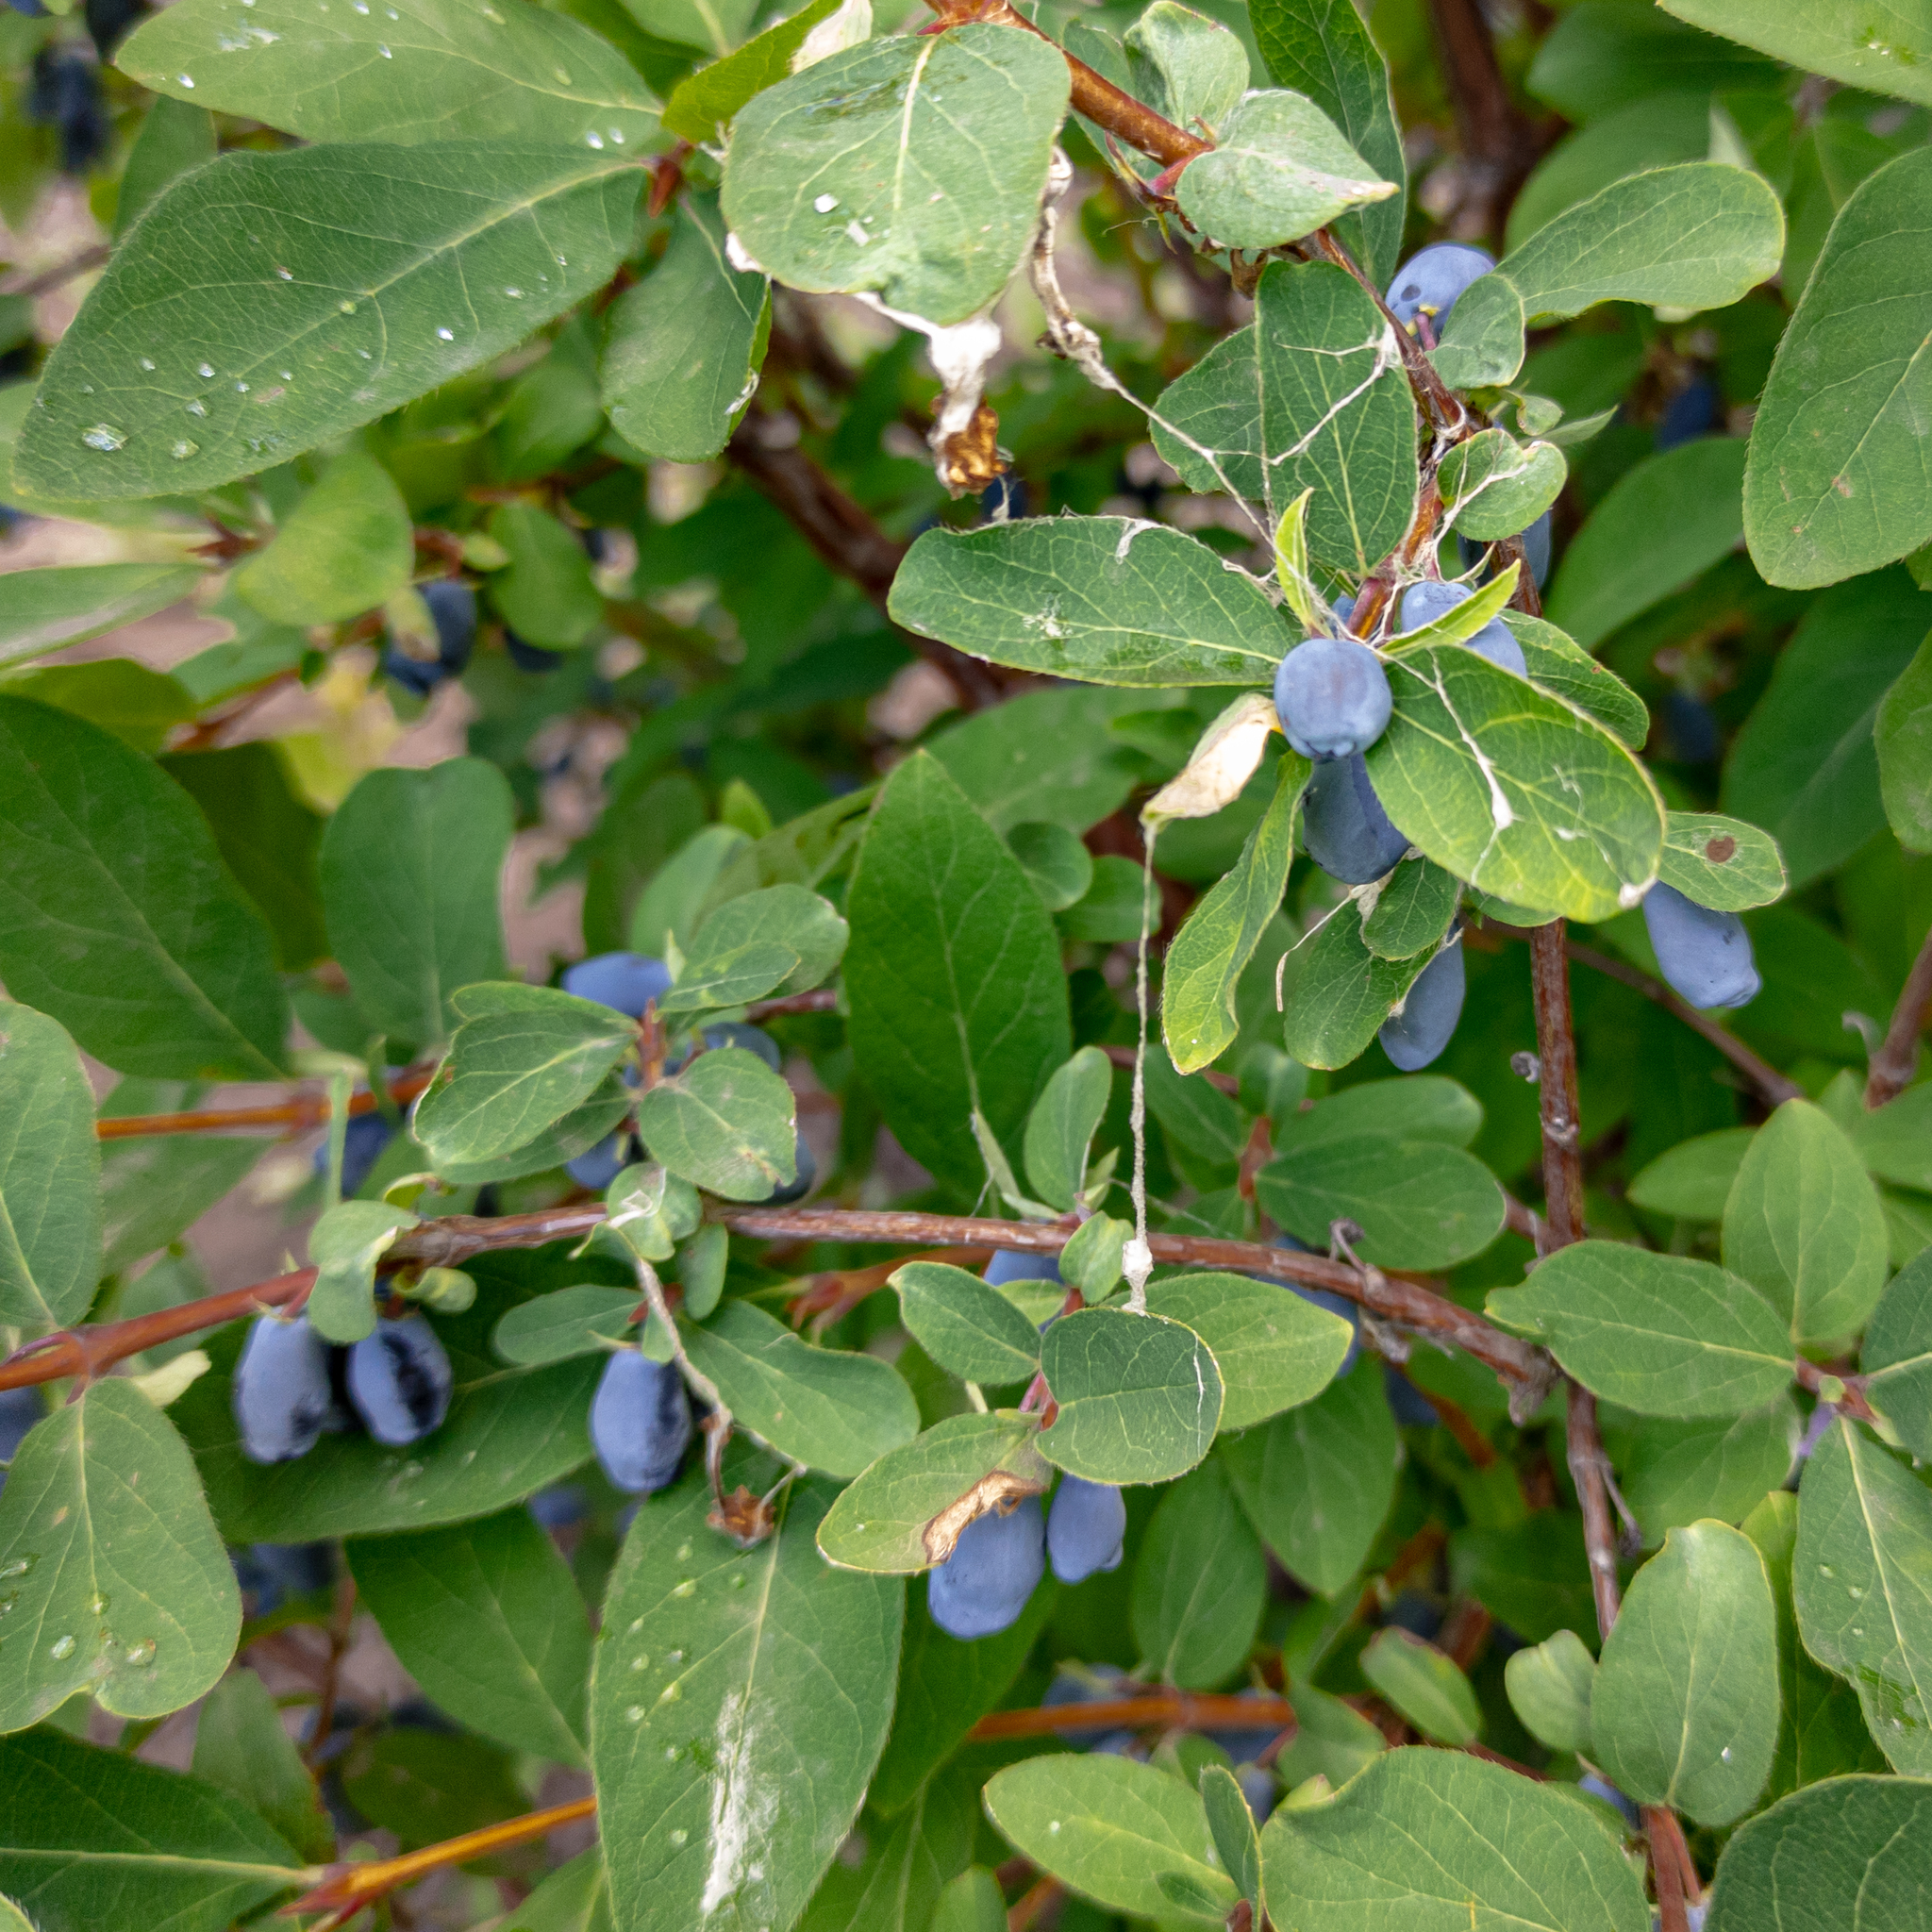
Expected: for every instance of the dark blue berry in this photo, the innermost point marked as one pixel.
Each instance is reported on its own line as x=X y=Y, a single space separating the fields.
x=1003 y=500
x=1246 y=1744
x=20 y=1409
x=751 y=1039
x=1086 y=1529
x=363 y=1141
x=639 y=1422
x=807 y=1174
x=1418 y=1034
x=1429 y=282
x=627 y=981
x=983 y=1586
x=1408 y=1405
x=453 y=606
x=1425 y=602
x=1691 y=728
x=597 y=1169
x=400 y=1381
x=281 y=1390
x=108 y=20
x=559 y=1507
x=1693 y=411
x=1018 y=1264
x=1705 y=955
x=531 y=658
x=1332 y=697
x=1349 y=834
x=65 y=94
x=1536 y=550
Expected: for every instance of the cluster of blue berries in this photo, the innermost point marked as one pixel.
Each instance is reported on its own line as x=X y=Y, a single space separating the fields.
x=292 y=1386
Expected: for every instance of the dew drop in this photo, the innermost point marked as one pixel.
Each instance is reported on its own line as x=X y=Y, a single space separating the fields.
x=514 y=295
x=142 y=1653
x=617 y=137
x=683 y=1553
x=186 y=81
x=97 y=1604
x=7 y=1602
x=19 y=1567
x=62 y=1648
x=1853 y=1592
x=1725 y=1754
x=1858 y=1630
x=687 y=1588
x=680 y=1836
x=196 y=408
x=146 y=362
x=634 y=1714
x=738 y=1579
x=204 y=369
x=444 y=335
x=637 y=1623
x=641 y=1662
x=490 y=13
x=1825 y=1569
x=241 y=389
x=103 y=436
x=563 y=74
x=593 y=139
x=286 y=275
x=181 y=449
x=825 y=204
x=670 y=1695
x=346 y=307
x=384 y=52
x=287 y=375
x=1054 y=1826
x=674 y=1657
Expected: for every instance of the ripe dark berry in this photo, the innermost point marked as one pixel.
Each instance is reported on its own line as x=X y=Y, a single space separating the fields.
x=1332 y=697
x=363 y=1141
x=453 y=606
x=1706 y=956
x=65 y=94
x=1693 y=411
x=20 y=1409
x=108 y=20
x=531 y=658
x=627 y=981
x=597 y=1169
x=1349 y=834
x=1429 y=282
x=1425 y=602
x=1017 y=1264
x=1426 y=1022
x=1536 y=550
x=639 y=1422
x=281 y=1392
x=807 y=1174
x=983 y=1586
x=400 y=1381
x=1086 y=1529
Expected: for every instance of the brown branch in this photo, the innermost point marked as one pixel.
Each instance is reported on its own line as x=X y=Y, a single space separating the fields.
x=1438 y=401
x=1027 y=1909
x=26 y=282
x=1167 y=1710
x=1898 y=1059
x=1668 y=1858
x=1853 y=1401
x=1588 y=1466
x=1556 y=1049
x=1499 y=147
x=341 y=1624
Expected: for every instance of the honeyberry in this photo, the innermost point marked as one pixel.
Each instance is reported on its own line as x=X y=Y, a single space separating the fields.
x=108 y=20
x=1261 y=1788
x=1349 y=834
x=399 y=1381
x=1705 y=955
x=1086 y=1529
x=1417 y=1035
x=363 y=1141
x=272 y=1572
x=1018 y=1264
x=983 y=1586
x=1429 y=282
x=627 y=981
x=281 y=1392
x=597 y=1169
x=1244 y=1745
x=65 y=94
x=1332 y=697
x=453 y=606
x=1425 y=602
x=1690 y=413
x=808 y=1172
x=527 y=657
x=20 y=1409
x=1536 y=549
x=639 y=1422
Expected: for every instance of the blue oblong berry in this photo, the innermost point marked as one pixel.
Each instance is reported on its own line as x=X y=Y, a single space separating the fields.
x=1423 y=603
x=1086 y=1529
x=1705 y=955
x=597 y=1169
x=1432 y=279
x=1018 y=1264
x=1349 y=834
x=797 y=1189
x=280 y=1393
x=1332 y=697
x=983 y=1586
x=639 y=1422
x=400 y=1381
x=627 y=981
x=1417 y=1036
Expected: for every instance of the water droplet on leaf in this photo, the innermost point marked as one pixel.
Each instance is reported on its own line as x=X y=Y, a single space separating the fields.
x=103 y=436
x=62 y=1648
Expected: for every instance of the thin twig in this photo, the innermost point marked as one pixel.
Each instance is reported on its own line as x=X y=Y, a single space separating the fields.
x=1165 y=1709
x=30 y=282
x=341 y=1624
x=1668 y=1858
x=1555 y=1051
x=1898 y=1059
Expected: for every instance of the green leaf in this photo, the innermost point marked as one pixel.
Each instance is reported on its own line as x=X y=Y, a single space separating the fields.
x=1493 y=487
x=173 y=137
x=1682 y=507
x=578 y=1132
x=348 y=545
x=971 y=1903
x=970 y=1329
x=545 y=594
x=575 y=1898
x=1318 y=1481
x=138 y=706
x=1861 y=1578
x=1424 y=1686
x=345 y=1244
x=704 y=104
x=1323 y=49
x=1058 y=867
x=1903 y=738
x=1805 y=1226
x=740 y=1701
x=1698 y=236
x=1237 y=1843
x=826 y=1409
x=1332 y=1740
x=1693 y=1179
x=426 y=1786
x=95 y=1837
x=241 y=1745
x=437 y=71
x=117 y=916
x=1557 y=662
x=720 y=959
x=1661 y=1334
x=1897 y=1355
x=1139 y=1397
x=1684 y=1707
x=1110 y=1829
x=1210 y=953
x=1534 y=1575
x=1511 y=789
x=1720 y=862
x=725 y=1124
x=1185 y=66
x=571 y=1322
x=1280 y=170
x=908 y=167
x=1847 y=1853
x=1450 y=1844
x=43 y=609
x=1672 y=1473
x=1483 y=343
x=50 y=1176
x=1337 y=994
x=1103 y=600
x=1893 y=1141
x=1200 y=1582
x=1549 y=1687
x=485 y=1618
x=1412 y=910
x=957 y=995
x=896 y=1885
x=1060 y=1128
x=1275 y=1350
x=111 y=1586
x=682 y=354
x=1887 y=51
x=360 y=321
x=1834 y=487
x=509 y=1074
x=1308 y=396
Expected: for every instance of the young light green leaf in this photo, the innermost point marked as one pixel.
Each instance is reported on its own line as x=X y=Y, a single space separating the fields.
x=1720 y=862
x=359 y=320
x=98 y=1838
x=825 y=1407
x=1693 y=1179
x=1661 y=1334
x=1139 y=1397
x=570 y=1322
x=43 y=609
x=730 y=1683
x=1805 y=1226
x=1684 y=1706
x=1106 y=600
x=1111 y=1829
x=1337 y=994
x=1903 y=738
x=970 y=1329
x=50 y=1176
x=1060 y=1128
x=1549 y=1687
x=1211 y=951
x=1468 y=771
x=683 y=348
x=118 y=916
x=1280 y=170
x=1482 y=344
x=703 y=105
x=1557 y=662
x=1698 y=236
x=242 y=1746
x=1897 y=1354
x=1237 y=1843
x=346 y=546
x=726 y=1123
x=1452 y=1845
x=1275 y=1350
x=113 y=1588
x=1424 y=1686
x=1493 y=487
x=485 y=1618
x=1861 y=1578
x=345 y=1244
x=1309 y=397
x=1200 y=1583
x=1412 y=911
x=852 y=176
x=421 y=70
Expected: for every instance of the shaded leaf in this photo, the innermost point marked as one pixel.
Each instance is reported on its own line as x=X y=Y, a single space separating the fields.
x=1200 y=1582
x=50 y=1176
x=43 y=609
x=970 y=1329
x=1139 y=1397
x=1424 y=1686
x=241 y=1745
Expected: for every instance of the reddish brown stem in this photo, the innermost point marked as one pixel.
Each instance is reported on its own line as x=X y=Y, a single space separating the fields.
x=1898 y=1059
x=1556 y=1048
x=1030 y=1907
x=1853 y=1401
x=1667 y=1866
x=1587 y=1470
x=1165 y=1710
